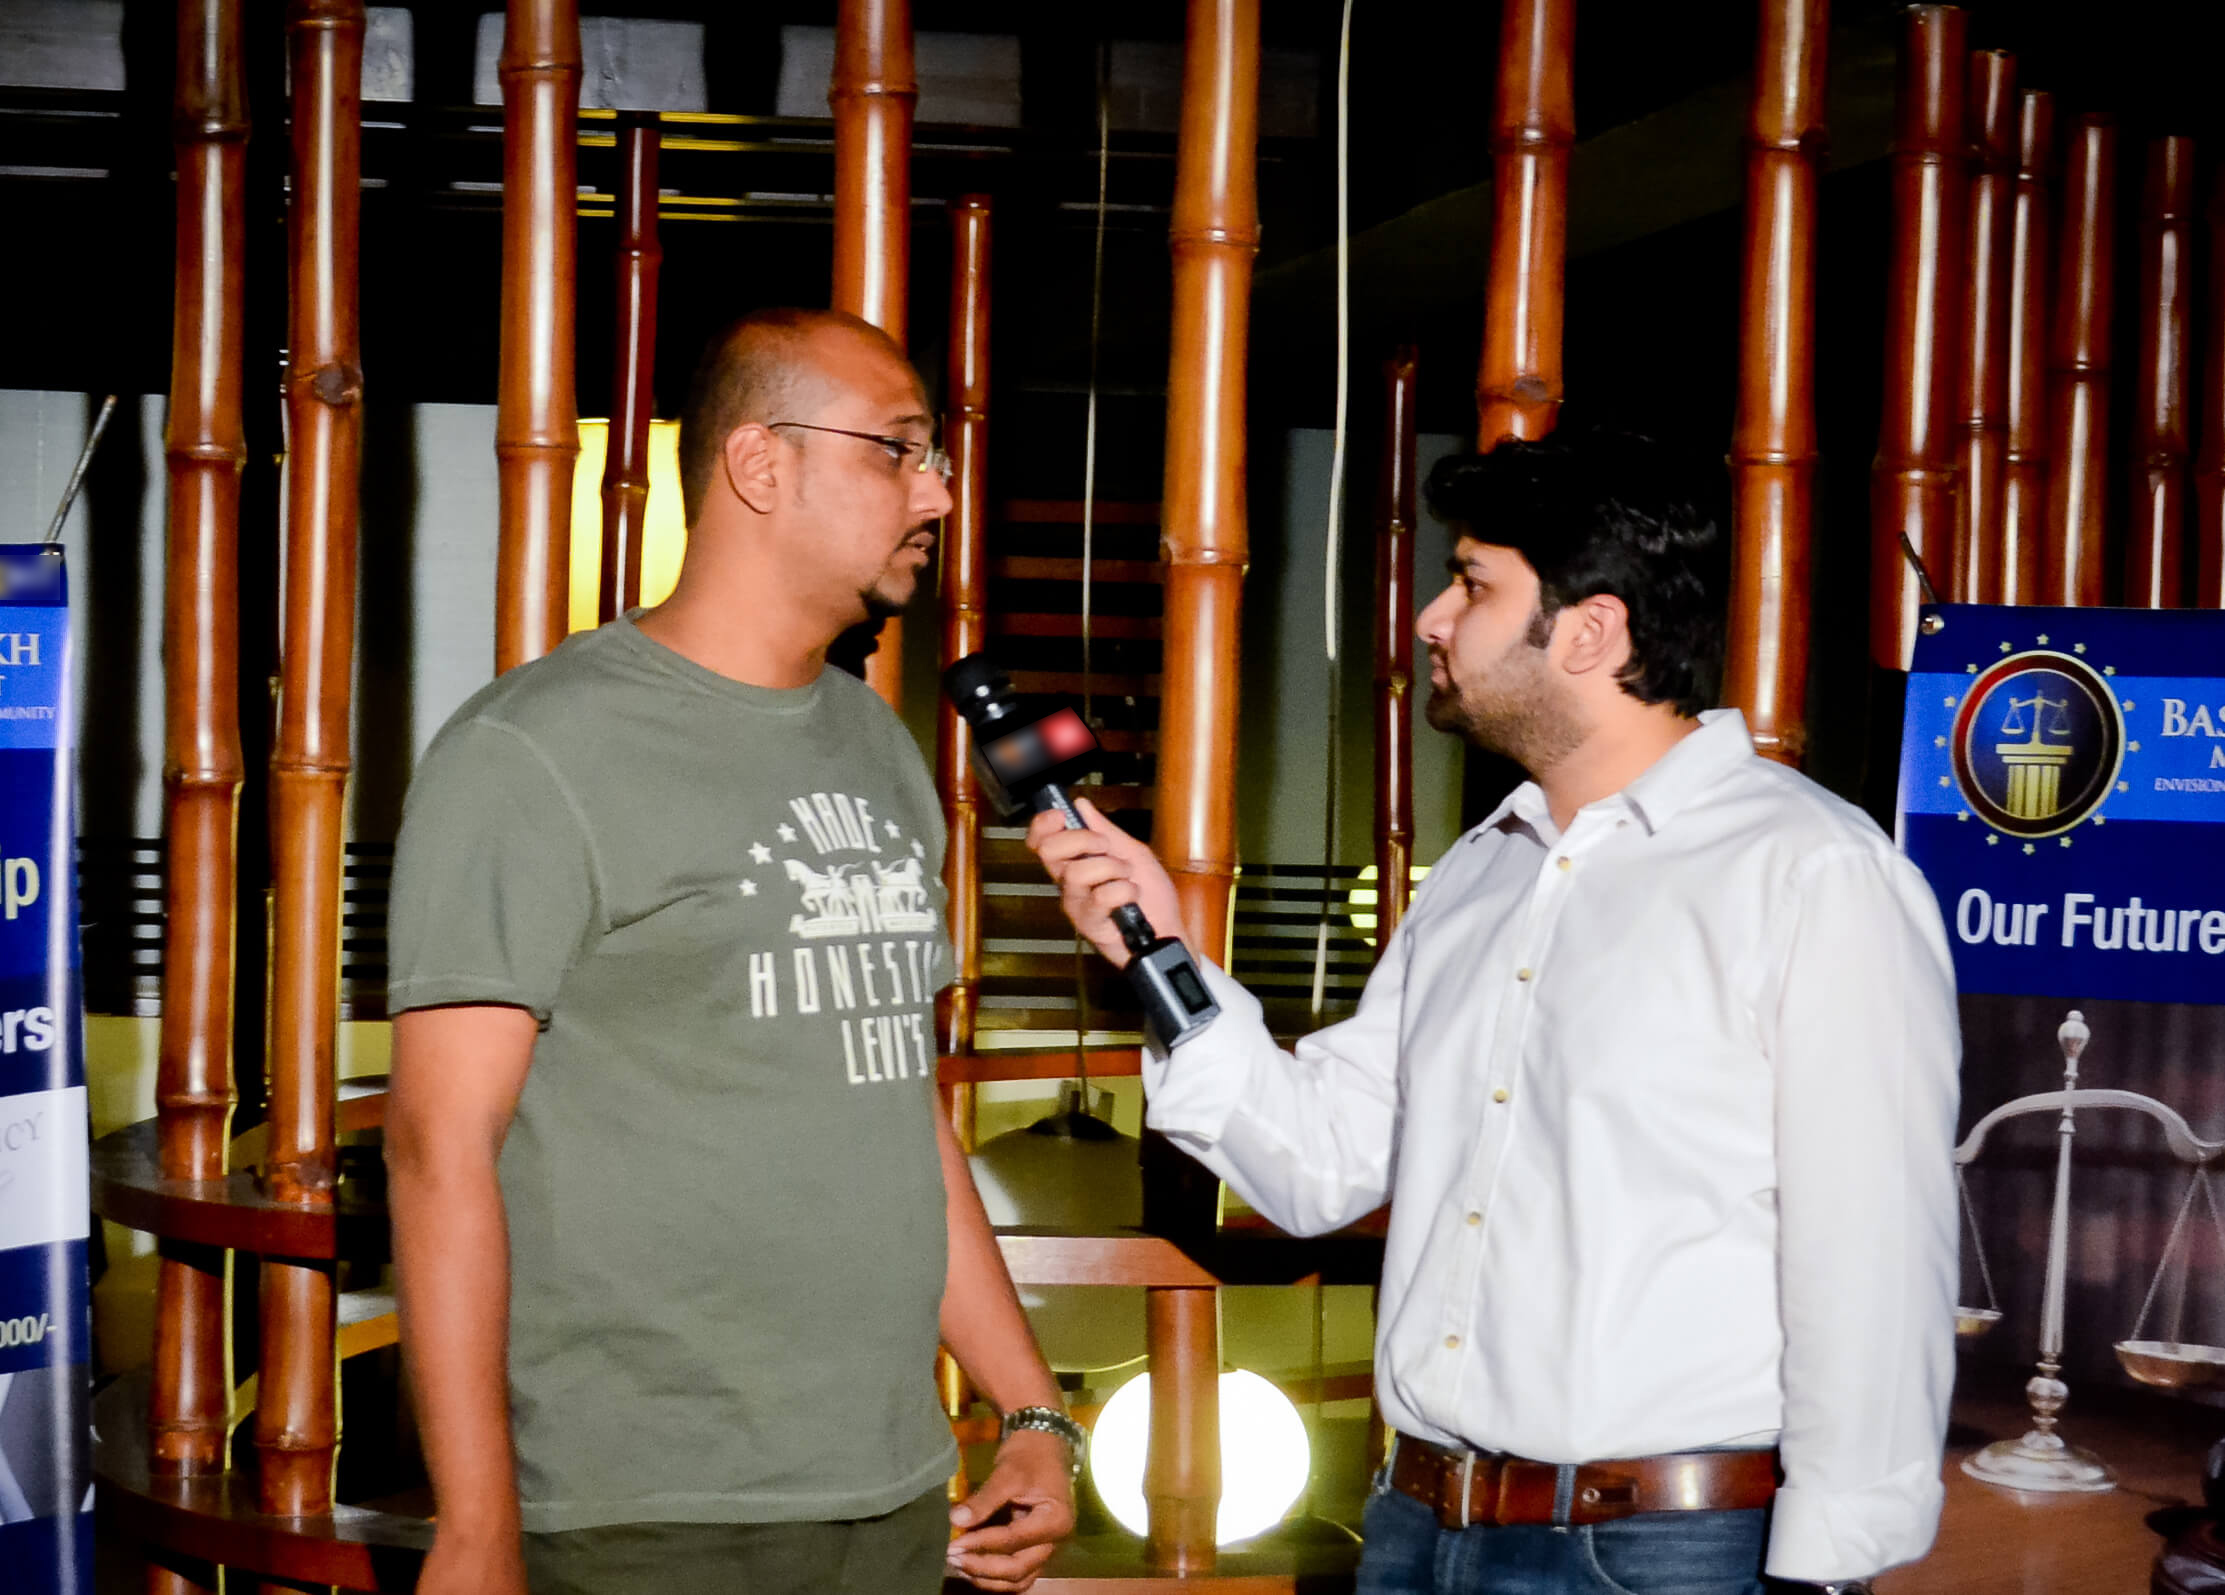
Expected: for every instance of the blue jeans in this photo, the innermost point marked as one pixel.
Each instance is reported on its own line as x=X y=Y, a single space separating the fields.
x=1658 y=1553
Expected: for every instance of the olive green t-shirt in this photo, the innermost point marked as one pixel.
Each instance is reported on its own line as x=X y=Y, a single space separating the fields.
x=724 y=905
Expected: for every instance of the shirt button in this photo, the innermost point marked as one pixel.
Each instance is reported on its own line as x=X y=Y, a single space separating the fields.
x=1523 y=973
x=1452 y=1342
x=1474 y=1219
x=1501 y=1094
x=1566 y=862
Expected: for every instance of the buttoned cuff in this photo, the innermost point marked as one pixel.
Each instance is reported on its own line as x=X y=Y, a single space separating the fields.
x=1190 y=1096
x=1821 y=1536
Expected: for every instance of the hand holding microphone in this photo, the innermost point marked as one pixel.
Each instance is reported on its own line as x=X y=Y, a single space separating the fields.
x=1112 y=887
x=1100 y=869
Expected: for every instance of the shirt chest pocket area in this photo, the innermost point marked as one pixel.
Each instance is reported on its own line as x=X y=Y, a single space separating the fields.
x=1649 y=1012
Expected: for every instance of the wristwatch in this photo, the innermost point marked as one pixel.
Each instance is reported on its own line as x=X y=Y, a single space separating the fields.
x=1844 y=1586
x=1050 y=1420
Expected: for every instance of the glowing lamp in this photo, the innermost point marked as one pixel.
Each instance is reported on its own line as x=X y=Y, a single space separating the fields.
x=1265 y=1457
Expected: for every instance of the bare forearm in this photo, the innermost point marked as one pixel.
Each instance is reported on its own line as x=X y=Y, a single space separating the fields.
x=983 y=1325
x=452 y=1276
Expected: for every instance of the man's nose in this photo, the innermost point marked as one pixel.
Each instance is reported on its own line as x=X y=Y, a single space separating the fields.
x=935 y=501
x=1428 y=624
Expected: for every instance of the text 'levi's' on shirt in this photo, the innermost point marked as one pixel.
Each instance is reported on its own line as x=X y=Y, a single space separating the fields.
x=1664 y=1106
x=724 y=1193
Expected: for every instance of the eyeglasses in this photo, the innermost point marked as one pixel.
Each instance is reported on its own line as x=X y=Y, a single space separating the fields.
x=931 y=457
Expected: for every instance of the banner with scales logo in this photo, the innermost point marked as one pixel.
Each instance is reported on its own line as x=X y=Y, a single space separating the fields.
x=2063 y=791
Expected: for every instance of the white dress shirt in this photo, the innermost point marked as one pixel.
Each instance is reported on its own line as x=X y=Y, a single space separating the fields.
x=1664 y=1105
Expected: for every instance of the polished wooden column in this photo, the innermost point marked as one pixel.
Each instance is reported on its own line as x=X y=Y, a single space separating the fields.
x=205 y=450
x=1533 y=127
x=2071 y=570
x=2024 y=398
x=1992 y=110
x=1912 y=484
x=1204 y=538
x=2155 y=532
x=2209 y=472
x=1394 y=650
x=1773 y=438
x=296 y=1409
x=633 y=366
x=963 y=591
x=872 y=95
x=537 y=405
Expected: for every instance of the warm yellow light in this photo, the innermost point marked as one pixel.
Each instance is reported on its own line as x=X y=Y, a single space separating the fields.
x=664 y=539
x=1265 y=1457
x=1361 y=900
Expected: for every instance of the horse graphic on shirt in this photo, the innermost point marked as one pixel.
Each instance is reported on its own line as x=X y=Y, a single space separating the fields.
x=855 y=899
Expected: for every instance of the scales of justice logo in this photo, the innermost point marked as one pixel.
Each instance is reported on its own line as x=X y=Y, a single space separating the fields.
x=2037 y=743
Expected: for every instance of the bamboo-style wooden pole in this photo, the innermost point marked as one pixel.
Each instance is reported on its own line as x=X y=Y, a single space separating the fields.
x=1992 y=110
x=536 y=441
x=2024 y=399
x=2071 y=570
x=872 y=94
x=205 y=450
x=1518 y=384
x=964 y=595
x=964 y=598
x=2156 y=531
x=1182 y=1468
x=2209 y=473
x=1205 y=543
x=633 y=367
x=1912 y=484
x=1773 y=438
x=1394 y=649
x=296 y=1410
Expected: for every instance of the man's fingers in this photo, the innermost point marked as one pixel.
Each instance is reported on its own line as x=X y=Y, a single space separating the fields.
x=1000 y=1571
x=1035 y=1527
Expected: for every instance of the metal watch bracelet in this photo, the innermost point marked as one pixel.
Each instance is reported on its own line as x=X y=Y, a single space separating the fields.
x=1050 y=1420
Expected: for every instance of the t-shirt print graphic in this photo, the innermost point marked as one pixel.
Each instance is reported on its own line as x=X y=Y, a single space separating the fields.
x=867 y=933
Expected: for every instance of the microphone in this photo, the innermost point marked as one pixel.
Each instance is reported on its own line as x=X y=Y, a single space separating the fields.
x=1024 y=756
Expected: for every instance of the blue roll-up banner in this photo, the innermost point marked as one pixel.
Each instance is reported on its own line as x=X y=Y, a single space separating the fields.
x=2063 y=790
x=46 y=1520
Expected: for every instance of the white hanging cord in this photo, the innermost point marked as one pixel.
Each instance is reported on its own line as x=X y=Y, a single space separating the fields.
x=1089 y=417
x=1333 y=542
x=1089 y=513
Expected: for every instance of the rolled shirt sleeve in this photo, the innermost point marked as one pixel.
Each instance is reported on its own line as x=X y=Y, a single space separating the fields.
x=1865 y=1049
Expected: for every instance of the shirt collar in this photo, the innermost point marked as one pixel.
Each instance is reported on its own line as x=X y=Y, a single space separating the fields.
x=1664 y=789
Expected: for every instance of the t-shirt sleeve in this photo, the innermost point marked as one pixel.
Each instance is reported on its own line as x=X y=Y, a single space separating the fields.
x=495 y=890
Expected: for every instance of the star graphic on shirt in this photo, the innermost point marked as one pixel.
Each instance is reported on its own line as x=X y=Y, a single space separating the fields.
x=890 y=827
x=787 y=833
x=759 y=853
x=749 y=888
x=919 y=849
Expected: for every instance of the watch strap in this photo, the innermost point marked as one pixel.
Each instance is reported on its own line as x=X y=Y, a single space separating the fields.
x=1049 y=1420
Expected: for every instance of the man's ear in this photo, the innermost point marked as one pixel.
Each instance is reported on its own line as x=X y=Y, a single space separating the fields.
x=1594 y=634
x=751 y=463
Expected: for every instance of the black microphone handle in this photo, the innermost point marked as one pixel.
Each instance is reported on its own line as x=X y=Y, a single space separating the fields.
x=1135 y=929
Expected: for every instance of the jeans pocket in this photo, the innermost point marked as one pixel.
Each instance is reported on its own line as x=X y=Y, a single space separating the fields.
x=1678 y=1553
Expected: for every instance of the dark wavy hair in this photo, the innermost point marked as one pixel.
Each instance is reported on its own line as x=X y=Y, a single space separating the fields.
x=1609 y=512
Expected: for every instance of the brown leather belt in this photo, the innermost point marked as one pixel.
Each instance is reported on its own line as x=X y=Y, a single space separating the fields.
x=1463 y=1488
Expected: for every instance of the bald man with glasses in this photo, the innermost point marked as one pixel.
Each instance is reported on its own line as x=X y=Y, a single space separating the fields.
x=678 y=1222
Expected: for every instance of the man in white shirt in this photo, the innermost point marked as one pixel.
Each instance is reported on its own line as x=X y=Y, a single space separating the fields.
x=1658 y=1075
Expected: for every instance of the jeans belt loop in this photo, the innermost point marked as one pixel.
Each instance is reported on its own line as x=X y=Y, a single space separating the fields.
x=1564 y=1494
x=1467 y=1487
